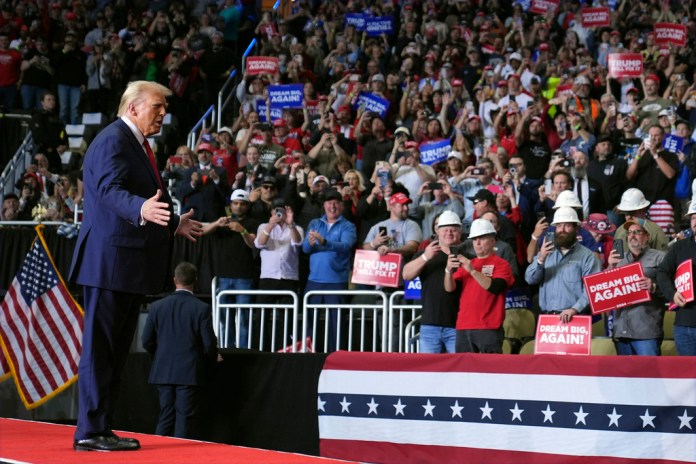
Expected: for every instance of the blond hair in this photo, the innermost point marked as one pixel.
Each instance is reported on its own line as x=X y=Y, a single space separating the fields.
x=136 y=90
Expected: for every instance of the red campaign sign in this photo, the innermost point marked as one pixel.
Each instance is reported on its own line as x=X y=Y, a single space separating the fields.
x=556 y=337
x=595 y=17
x=625 y=65
x=372 y=269
x=670 y=33
x=615 y=288
x=684 y=282
x=543 y=6
x=261 y=65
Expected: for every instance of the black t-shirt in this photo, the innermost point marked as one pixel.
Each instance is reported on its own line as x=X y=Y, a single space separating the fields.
x=536 y=156
x=230 y=255
x=652 y=182
x=439 y=307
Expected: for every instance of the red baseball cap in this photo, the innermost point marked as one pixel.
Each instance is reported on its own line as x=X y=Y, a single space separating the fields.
x=399 y=198
x=457 y=83
x=279 y=123
x=205 y=146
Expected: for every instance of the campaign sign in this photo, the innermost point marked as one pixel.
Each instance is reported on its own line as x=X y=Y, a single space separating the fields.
x=670 y=33
x=261 y=65
x=543 y=6
x=625 y=65
x=556 y=337
x=261 y=108
x=595 y=17
x=412 y=289
x=516 y=298
x=435 y=152
x=286 y=96
x=375 y=27
x=673 y=143
x=372 y=103
x=370 y=268
x=356 y=19
x=615 y=288
x=684 y=282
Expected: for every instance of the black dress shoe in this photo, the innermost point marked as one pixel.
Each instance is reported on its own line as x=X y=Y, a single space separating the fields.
x=111 y=433
x=102 y=443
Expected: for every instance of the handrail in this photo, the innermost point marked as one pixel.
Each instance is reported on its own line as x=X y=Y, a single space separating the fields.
x=220 y=104
x=19 y=162
x=200 y=124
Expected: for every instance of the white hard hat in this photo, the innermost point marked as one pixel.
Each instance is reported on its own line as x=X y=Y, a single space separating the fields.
x=449 y=218
x=481 y=227
x=565 y=214
x=692 y=207
x=633 y=200
x=567 y=198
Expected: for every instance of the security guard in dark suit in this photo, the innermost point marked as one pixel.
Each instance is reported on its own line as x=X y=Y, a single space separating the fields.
x=179 y=335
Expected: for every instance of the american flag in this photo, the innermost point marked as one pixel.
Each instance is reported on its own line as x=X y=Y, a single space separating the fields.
x=418 y=408
x=40 y=328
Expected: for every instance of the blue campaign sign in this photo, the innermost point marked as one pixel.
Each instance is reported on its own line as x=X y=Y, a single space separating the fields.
x=372 y=103
x=518 y=298
x=379 y=25
x=276 y=113
x=286 y=96
x=435 y=152
x=356 y=19
x=673 y=143
x=412 y=289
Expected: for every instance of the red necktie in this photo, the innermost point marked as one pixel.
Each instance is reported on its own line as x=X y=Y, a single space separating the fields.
x=153 y=162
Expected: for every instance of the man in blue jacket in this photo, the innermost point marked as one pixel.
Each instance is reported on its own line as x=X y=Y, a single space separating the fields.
x=329 y=243
x=122 y=254
x=179 y=335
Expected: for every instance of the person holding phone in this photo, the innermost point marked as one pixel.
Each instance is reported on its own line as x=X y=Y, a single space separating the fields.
x=638 y=328
x=559 y=266
x=434 y=198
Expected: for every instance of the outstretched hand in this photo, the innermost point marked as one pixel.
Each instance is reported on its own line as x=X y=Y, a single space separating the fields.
x=189 y=228
x=156 y=211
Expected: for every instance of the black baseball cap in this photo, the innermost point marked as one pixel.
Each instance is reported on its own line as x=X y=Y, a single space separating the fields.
x=483 y=194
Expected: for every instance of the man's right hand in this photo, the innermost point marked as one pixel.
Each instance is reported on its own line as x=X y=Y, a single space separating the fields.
x=156 y=211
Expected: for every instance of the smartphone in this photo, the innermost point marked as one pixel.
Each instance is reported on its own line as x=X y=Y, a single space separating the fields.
x=618 y=246
x=383 y=178
x=541 y=215
x=383 y=231
x=455 y=250
x=476 y=172
x=550 y=238
x=434 y=186
x=688 y=233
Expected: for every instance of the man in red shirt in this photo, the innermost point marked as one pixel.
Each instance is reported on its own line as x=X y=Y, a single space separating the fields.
x=281 y=135
x=484 y=280
x=10 y=60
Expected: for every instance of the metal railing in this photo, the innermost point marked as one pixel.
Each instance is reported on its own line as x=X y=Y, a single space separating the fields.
x=16 y=167
x=399 y=320
x=412 y=336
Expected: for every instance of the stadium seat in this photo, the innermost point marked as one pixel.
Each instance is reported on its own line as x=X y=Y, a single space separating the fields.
x=603 y=347
x=507 y=347
x=527 y=348
x=75 y=130
x=669 y=348
x=668 y=324
x=93 y=119
x=519 y=323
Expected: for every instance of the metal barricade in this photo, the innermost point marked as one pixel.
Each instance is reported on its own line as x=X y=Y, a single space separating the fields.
x=412 y=336
x=223 y=314
x=398 y=323
x=334 y=324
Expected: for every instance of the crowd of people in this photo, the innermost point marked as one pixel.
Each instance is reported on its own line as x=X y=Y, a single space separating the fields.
x=550 y=159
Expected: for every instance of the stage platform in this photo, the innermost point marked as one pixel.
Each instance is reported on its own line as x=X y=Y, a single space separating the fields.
x=39 y=442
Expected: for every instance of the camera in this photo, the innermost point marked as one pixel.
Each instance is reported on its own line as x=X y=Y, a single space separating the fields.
x=565 y=163
x=513 y=170
x=434 y=186
x=477 y=172
x=279 y=212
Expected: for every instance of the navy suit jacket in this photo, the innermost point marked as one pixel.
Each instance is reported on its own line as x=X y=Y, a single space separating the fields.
x=207 y=198
x=179 y=334
x=114 y=251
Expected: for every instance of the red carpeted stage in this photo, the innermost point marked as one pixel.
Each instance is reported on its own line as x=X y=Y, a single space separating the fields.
x=39 y=442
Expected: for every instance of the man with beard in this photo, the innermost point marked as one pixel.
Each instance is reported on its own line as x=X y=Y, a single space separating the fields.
x=609 y=172
x=582 y=103
x=439 y=314
x=638 y=328
x=533 y=146
x=559 y=266
x=484 y=281
x=652 y=103
x=587 y=191
x=234 y=261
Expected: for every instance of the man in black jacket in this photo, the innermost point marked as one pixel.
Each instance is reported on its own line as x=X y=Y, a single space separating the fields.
x=179 y=335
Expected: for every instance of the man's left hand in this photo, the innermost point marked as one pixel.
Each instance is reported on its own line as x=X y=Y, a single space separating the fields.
x=189 y=228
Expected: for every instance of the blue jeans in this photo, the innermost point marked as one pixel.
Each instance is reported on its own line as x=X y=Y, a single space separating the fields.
x=434 y=338
x=69 y=98
x=627 y=347
x=31 y=96
x=226 y=283
x=685 y=339
x=8 y=94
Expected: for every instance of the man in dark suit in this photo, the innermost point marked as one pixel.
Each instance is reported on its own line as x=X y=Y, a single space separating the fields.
x=179 y=335
x=204 y=187
x=122 y=254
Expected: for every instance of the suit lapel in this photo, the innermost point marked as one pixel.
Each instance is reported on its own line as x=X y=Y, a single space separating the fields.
x=140 y=154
